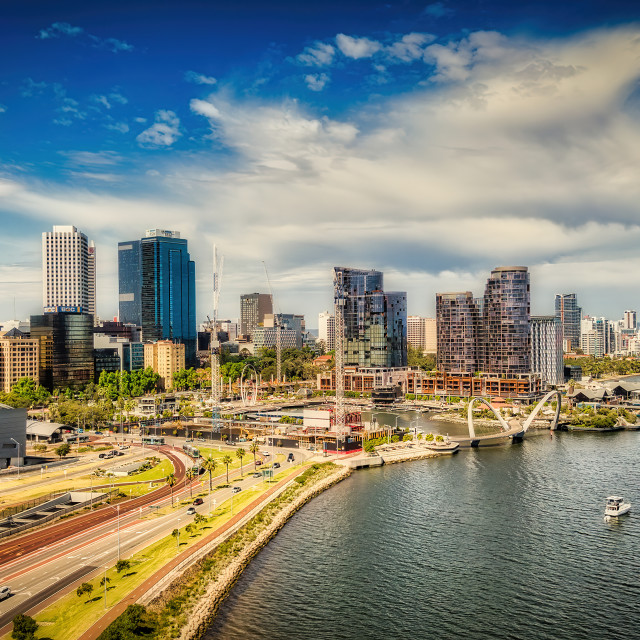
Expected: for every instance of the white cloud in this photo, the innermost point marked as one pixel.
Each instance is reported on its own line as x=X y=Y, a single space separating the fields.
x=58 y=29
x=316 y=81
x=163 y=133
x=101 y=100
x=3 y=108
x=319 y=54
x=357 y=48
x=410 y=47
x=92 y=158
x=121 y=127
x=527 y=154
x=199 y=78
x=437 y=10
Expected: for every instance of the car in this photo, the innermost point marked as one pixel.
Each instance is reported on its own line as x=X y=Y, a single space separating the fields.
x=189 y=440
x=200 y=439
x=118 y=453
x=257 y=474
x=290 y=457
x=191 y=511
x=236 y=489
x=123 y=446
x=276 y=465
x=258 y=462
x=265 y=453
x=5 y=592
x=198 y=501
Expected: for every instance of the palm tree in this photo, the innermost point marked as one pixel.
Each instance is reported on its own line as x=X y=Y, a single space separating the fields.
x=227 y=460
x=191 y=474
x=254 y=448
x=210 y=465
x=171 y=480
x=241 y=453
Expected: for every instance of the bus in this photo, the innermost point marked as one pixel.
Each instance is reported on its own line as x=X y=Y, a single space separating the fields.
x=194 y=452
x=153 y=440
x=73 y=439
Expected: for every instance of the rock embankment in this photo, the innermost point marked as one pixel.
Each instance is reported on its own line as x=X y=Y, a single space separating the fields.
x=201 y=615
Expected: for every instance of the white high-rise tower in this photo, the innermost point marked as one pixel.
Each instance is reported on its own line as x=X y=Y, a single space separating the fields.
x=68 y=269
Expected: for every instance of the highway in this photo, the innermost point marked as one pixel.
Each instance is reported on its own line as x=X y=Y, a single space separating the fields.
x=38 y=572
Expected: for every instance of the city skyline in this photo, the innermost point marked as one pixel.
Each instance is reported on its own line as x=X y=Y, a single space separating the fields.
x=430 y=141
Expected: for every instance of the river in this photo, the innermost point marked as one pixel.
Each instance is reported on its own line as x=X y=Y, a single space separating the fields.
x=505 y=542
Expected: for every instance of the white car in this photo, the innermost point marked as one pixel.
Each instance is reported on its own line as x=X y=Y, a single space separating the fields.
x=265 y=453
x=5 y=592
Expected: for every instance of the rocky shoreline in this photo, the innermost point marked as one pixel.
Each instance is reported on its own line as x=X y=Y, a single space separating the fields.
x=203 y=613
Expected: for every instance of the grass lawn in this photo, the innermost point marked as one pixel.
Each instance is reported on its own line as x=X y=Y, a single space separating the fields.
x=161 y=470
x=70 y=616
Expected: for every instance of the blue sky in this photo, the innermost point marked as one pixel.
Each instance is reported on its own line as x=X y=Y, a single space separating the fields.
x=432 y=141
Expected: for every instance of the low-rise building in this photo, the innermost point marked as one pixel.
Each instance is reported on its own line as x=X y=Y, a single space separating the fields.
x=13 y=436
x=19 y=358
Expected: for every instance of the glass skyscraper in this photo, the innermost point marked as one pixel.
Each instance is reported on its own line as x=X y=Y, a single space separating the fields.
x=157 y=288
x=570 y=314
x=375 y=321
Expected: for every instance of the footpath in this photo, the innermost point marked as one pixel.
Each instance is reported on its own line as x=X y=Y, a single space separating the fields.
x=183 y=559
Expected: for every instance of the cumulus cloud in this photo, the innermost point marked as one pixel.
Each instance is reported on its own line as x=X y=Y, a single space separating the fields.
x=199 y=78
x=523 y=151
x=58 y=29
x=319 y=54
x=357 y=48
x=316 y=81
x=163 y=132
x=410 y=47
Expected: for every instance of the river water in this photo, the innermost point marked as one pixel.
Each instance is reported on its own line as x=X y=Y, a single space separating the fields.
x=505 y=542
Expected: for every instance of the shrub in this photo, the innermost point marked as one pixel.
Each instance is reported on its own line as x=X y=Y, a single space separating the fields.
x=24 y=627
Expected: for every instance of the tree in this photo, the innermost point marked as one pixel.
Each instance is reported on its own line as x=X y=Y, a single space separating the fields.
x=63 y=450
x=191 y=474
x=171 y=481
x=123 y=565
x=210 y=465
x=85 y=587
x=104 y=580
x=227 y=460
x=241 y=453
x=254 y=448
x=24 y=627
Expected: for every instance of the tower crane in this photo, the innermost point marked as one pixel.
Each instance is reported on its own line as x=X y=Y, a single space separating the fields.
x=278 y=328
x=215 y=343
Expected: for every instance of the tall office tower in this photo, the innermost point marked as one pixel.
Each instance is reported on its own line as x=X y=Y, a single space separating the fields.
x=157 y=288
x=546 y=349
x=327 y=330
x=65 y=349
x=253 y=308
x=629 y=321
x=375 y=321
x=506 y=322
x=458 y=323
x=430 y=335
x=68 y=270
x=569 y=312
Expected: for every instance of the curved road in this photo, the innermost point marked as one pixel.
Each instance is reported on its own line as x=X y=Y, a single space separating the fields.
x=30 y=542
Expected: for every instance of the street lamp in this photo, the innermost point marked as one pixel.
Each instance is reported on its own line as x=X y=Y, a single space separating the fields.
x=18 y=456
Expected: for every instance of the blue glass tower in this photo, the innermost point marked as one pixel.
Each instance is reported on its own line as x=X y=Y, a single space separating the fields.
x=157 y=288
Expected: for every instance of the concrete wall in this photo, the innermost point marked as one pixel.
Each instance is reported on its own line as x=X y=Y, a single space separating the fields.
x=13 y=424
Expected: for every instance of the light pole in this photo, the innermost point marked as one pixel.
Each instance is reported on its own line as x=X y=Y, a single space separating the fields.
x=118 y=532
x=18 y=456
x=105 y=587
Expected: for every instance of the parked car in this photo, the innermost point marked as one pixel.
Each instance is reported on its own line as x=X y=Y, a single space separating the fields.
x=191 y=511
x=5 y=592
x=276 y=465
x=236 y=489
x=198 y=501
x=257 y=474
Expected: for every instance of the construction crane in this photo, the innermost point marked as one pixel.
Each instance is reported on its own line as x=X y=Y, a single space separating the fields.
x=215 y=343
x=339 y=304
x=278 y=328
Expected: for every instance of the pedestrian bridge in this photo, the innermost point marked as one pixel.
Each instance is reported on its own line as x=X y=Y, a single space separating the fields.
x=513 y=430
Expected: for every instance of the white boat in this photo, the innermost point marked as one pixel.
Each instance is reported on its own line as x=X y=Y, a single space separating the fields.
x=616 y=506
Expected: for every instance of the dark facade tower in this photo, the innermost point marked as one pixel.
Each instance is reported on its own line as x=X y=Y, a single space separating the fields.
x=375 y=322
x=570 y=314
x=253 y=308
x=506 y=330
x=66 y=349
x=157 y=288
x=458 y=327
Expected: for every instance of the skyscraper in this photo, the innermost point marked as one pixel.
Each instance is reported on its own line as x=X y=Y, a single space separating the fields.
x=157 y=288
x=458 y=322
x=570 y=313
x=68 y=270
x=327 y=330
x=375 y=321
x=506 y=336
x=546 y=349
x=253 y=308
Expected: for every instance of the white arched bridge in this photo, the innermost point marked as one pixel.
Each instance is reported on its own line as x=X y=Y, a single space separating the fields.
x=514 y=429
